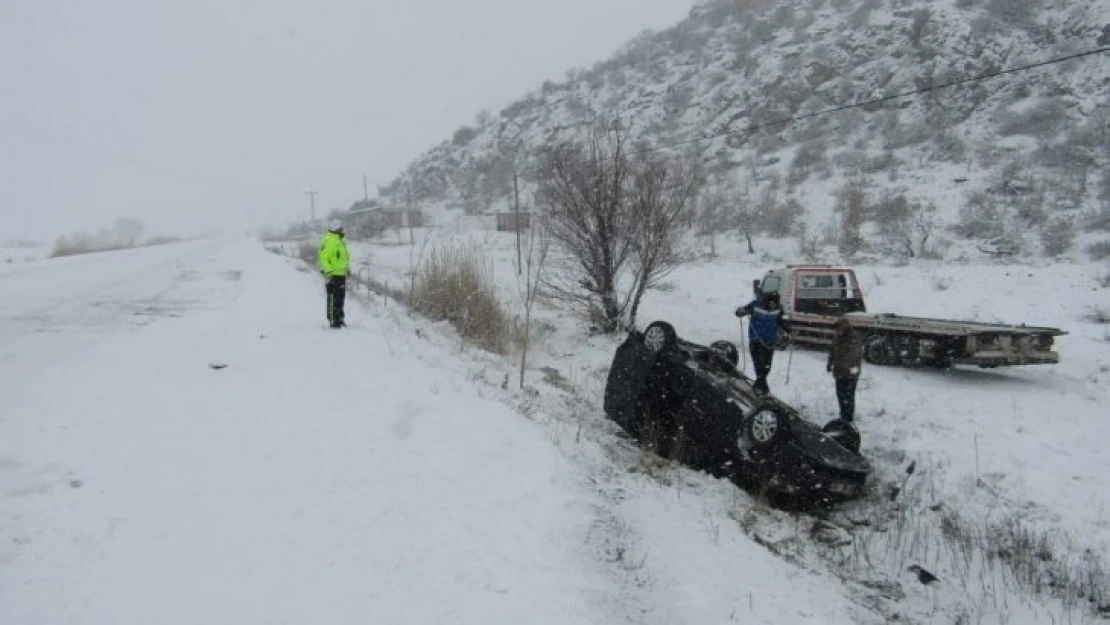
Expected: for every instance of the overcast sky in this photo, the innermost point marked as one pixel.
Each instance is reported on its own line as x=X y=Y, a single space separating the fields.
x=199 y=113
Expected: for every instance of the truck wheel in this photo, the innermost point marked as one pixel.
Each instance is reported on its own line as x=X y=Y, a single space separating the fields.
x=876 y=350
x=660 y=335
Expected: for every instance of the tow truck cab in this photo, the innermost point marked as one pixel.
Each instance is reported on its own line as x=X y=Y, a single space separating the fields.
x=813 y=289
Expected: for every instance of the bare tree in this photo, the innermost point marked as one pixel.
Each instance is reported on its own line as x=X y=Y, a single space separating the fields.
x=530 y=272
x=711 y=214
x=662 y=194
x=612 y=215
x=905 y=226
x=582 y=186
x=744 y=215
x=851 y=202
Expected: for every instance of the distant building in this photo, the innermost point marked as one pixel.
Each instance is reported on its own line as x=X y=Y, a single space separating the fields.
x=509 y=221
x=393 y=217
x=403 y=217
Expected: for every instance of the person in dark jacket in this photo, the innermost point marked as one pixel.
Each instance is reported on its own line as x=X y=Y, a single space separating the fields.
x=845 y=360
x=763 y=333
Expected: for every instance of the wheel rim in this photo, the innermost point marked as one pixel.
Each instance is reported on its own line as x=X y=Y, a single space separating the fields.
x=764 y=426
x=655 y=338
x=875 y=351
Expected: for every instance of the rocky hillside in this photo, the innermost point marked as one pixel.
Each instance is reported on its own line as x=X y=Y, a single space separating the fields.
x=1014 y=163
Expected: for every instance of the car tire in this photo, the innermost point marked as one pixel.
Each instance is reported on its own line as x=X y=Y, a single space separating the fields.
x=727 y=349
x=844 y=433
x=660 y=336
x=766 y=428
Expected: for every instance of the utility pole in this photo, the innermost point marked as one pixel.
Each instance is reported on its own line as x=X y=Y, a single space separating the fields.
x=365 y=190
x=312 y=202
x=516 y=209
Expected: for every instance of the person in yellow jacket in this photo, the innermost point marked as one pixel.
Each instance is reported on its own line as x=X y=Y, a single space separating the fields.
x=335 y=263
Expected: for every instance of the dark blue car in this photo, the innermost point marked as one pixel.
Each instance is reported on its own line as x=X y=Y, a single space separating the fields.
x=689 y=402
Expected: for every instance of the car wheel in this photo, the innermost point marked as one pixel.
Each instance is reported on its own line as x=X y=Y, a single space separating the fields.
x=844 y=433
x=660 y=335
x=765 y=428
x=727 y=349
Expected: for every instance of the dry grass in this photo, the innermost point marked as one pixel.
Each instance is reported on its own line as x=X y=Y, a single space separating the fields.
x=456 y=284
x=81 y=244
x=990 y=558
x=1099 y=250
x=72 y=247
x=1098 y=314
x=308 y=252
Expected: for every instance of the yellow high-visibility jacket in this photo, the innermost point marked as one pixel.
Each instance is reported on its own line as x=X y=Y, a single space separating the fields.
x=334 y=259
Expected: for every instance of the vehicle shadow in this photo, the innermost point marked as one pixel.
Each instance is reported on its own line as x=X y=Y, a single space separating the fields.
x=980 y=377
x=963 y=374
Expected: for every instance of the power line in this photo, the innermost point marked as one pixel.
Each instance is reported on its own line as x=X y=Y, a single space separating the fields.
x=845 y=107
x=836 y=109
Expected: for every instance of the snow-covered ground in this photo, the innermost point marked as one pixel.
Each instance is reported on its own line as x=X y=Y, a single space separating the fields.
x=1008 y=498
x=11 y=254
x=363 y=476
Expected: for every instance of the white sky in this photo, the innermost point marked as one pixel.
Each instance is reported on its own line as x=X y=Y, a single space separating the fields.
x=221 y=113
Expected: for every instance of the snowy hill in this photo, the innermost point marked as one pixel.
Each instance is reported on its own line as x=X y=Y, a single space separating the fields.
x=1005 y=158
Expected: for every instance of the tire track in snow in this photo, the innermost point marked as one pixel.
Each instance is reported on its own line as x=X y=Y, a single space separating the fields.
x=96 y=299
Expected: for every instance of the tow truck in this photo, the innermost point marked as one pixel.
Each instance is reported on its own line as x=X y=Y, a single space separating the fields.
x=814 y=297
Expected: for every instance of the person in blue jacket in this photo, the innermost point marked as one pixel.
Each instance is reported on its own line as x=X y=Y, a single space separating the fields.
x=763 y=333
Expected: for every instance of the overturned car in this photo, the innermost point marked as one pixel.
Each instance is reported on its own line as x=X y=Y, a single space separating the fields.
x=689 y=402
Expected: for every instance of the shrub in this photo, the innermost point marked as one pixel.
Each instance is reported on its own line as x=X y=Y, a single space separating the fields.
x=979 y=217
x=124 y=233
x=464 y=135
x=1058 y=236
x=810 y=156
x=1099 y=250
x=455 y=284
x=1038 y=120
x=779 y=219
x=1098 y=314
x=70 y=246
x=1099 y=220
x=308 y=252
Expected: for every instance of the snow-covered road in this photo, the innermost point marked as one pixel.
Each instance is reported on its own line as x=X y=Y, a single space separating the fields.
x=315 y=479
x=321 y=477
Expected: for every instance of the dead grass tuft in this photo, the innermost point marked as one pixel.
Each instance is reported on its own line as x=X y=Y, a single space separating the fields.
x=73 y=246
x=456 y=284
x=1098 y=314
x=308 y=252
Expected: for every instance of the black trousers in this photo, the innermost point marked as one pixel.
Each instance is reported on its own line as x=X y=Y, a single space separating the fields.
x=846 y=397
x=336 y=289
x=762 y=356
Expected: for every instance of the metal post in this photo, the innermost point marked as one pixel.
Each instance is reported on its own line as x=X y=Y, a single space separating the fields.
x=312 y=203
x=516 y=204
